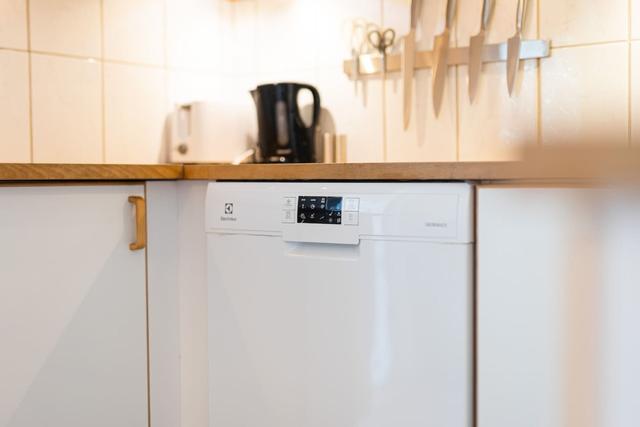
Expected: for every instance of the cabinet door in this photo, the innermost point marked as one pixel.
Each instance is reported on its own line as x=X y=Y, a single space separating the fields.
x=558 y=307
x=73 y=332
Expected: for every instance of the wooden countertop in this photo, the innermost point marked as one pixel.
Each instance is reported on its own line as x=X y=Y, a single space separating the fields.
x=80 y=172
x=549 y=165
x=355 y=171
x=538 y=165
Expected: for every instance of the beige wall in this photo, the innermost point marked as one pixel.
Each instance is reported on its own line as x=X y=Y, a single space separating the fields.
x=93 y=80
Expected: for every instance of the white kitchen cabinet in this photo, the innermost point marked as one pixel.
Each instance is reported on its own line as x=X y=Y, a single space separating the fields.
x=73 y=328
x=558 y=306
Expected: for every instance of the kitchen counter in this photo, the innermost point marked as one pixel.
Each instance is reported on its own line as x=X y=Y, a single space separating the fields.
x=461 y=171
x=549 y=165
x=78 y=172
x=352 y=171
x=554 y=165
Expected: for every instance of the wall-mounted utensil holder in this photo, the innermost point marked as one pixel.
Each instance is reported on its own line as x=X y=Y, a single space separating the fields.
x=371 y=64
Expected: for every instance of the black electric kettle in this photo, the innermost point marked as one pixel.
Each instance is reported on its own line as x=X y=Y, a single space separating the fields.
x=283 y=137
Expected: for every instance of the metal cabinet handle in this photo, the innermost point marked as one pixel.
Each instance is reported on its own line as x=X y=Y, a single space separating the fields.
x=141 y=223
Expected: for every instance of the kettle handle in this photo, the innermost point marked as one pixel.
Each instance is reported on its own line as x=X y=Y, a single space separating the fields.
x=316 y=102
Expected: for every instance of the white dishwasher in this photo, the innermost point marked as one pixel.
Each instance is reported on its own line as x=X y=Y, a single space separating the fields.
x=340 y=304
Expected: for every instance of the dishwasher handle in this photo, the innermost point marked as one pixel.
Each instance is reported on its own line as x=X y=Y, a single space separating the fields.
x=322 y=234
x=322 y=250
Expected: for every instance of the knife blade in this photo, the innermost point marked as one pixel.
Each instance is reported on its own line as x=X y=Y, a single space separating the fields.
x=408 y=61
x=513 y=46
x=476 y=44
x=408 y=64
x=440 y=58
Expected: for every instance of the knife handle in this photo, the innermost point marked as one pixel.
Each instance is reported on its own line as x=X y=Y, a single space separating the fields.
x=487 y=11
x=521 y=13
x=451 y=13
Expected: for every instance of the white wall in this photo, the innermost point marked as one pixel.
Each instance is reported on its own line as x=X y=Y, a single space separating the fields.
x=91 y=81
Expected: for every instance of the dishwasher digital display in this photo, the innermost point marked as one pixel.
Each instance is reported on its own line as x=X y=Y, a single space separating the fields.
x=319 y=210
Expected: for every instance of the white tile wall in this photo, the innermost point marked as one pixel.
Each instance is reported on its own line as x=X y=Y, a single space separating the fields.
x=429 y=138
x=186 y=86
x=571 y=22
x=135 y=112
x=359 y=115
x=237 y=35
x=193 y=39
x=13 y=24
x=14 y=107
x=315 y=58
x=287 y=33
x=502 y=24
x=67 y=110
x=582 y=101
x=218 y=50
x=332 y=41
x=496 y=126
x=66 y=26
x=134 y=30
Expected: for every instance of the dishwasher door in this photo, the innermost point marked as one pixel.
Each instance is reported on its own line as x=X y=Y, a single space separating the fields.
x=373 y=334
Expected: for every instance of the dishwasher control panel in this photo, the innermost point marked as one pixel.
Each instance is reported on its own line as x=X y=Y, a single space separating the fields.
x=328 y=210
x=342 y=213
x=319 y=210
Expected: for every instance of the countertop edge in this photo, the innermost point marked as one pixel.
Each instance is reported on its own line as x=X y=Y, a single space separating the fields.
x=89 y=172
x=539 y=166
x=471 y=171
x=354 y=171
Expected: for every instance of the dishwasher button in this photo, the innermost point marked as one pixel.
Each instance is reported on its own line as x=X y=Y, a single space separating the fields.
x=289 y=202
x=350 y=218
x=352 y=204
x=288 y=216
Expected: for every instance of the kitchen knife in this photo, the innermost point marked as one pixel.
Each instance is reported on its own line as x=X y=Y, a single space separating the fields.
x=408 y=61
x=513 y=46
x=440 y=58
x=476 y=47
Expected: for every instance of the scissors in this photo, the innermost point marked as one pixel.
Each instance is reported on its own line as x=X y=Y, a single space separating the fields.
x=382 y=41
x=359 y=44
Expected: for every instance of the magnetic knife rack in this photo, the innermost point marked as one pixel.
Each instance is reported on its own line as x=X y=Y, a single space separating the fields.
x=371 y=64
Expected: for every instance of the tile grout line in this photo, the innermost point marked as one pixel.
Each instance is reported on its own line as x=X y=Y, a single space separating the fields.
x=91 y=58
x=209 y=69
x=147 y=64
x=30 y=80
x=384 y=97
x=166 y=78
x=165 y=36
x=457 y=92
x=457 y=101
x=132 y=63
x=539 y=83
x=103 y=124
x=629 y=75
x=590 y=44
x=384 y=119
